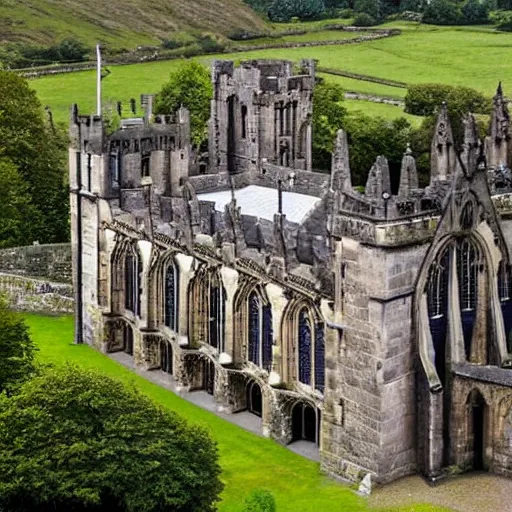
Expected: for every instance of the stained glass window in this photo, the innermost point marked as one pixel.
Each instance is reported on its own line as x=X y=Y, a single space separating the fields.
x=268 y=337
x=172 y=296
x=504 y=285
x=254 y=328
x=320 y=357
x=304 y=347
x=138 y=284
x=129 y=282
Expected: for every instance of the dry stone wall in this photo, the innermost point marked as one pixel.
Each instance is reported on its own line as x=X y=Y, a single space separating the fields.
x=37 y=278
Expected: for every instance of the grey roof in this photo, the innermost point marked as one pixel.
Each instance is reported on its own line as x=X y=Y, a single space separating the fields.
x=262 y=202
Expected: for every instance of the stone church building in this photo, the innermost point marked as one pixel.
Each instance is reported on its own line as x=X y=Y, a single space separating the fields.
x=377 y=326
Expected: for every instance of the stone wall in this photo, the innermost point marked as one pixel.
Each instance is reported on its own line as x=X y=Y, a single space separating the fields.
x=52 y=262
x=36 y=295
x=37 y=278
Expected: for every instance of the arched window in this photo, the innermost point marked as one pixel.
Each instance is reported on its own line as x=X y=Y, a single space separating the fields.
x=504 y=289
x=260 y=332
x=217 y=314
x=467 y=271
x=305 y=346
x=320 y=357
x=437 y=300
x=133 y=281
x=172 y=296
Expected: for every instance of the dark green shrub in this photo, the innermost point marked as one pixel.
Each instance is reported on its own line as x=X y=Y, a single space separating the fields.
x=442 y=12
x=502 y=20
x=210 y=43
x=475 y=12
x=364 y=20
x=260 y=501
x=284 y=10
x=77 y=440
x=370 y=7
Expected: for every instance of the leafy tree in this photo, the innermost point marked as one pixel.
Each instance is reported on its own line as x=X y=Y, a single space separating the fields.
x=442 y=12
x=369 y=137
x=39 y=153
x=328 y=116
x=189 y=86
x=364 y=20
x=260 y=500
x=16 y=349
x=370 y=7
x=475 y=12
x=76 y=440
x=284 y=10
x=17 y=213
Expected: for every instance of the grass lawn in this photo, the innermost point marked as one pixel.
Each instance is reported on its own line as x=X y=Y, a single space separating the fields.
x=383 y=110
x=248 y=461
x=477 y=57
x=352 y=84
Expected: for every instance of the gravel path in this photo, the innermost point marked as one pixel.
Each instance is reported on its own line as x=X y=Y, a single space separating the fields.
x=474 y=492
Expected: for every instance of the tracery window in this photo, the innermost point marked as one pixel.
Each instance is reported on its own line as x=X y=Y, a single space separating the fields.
x=467 y=267
x=311 y=338
x=172 y=296
x=504 y=288
x=217 y=314
x=260 y=332
x=437 y=287
x=133 y=281
x=504 y=282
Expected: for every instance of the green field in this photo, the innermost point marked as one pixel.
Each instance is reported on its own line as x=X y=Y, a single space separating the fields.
x=476 y=57
x=247 y=461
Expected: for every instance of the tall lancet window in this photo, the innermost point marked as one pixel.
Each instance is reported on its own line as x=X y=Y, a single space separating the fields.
x=504 y=289
x=437 y=296
x=260 y=332
x=172 y=296
x=467 y=271
x=320 y=357
x=133 y=281
x=305 y=346
x=217 y=314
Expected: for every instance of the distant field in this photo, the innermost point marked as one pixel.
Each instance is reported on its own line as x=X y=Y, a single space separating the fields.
x=383 y=110
x=248 y=461
x=351 y=84
x=477 y=57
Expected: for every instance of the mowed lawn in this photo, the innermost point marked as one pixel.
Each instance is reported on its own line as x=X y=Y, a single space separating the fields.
x=476 y=57
x=248 y=461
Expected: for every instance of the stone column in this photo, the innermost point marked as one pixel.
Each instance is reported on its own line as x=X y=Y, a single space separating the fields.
x=278 y=303
x=230 y=282
x=184 y=263
x=145 y=251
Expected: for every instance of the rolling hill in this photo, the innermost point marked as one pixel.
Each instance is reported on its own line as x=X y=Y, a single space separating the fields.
x=120 y=24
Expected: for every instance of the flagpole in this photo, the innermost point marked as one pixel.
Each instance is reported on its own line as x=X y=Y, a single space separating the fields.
x=98 y=80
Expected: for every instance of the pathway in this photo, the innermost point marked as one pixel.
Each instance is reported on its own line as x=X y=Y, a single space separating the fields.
x=202 y=399
x=473 y=492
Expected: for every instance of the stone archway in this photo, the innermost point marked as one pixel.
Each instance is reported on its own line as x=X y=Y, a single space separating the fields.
x=305 y=422
x=477 y=418
x=254 y=398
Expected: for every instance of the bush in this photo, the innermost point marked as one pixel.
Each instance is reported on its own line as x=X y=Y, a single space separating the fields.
x=502 y=20
x=370 y=7
x=76 y=440
x=364 y=20
x=16 y=347
x=475 y=12
x=425 y=99
x=284 y=10
x=442 y=12
x=210 y=43
x=260 y=501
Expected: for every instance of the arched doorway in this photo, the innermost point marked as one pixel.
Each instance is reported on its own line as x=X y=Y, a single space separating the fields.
x=254 y=398
x=128 y=340
x=166 y=356
x=305 y=423
x=209 y=376
x=477 y=409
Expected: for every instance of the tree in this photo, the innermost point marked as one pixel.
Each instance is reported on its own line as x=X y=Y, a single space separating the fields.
x=260 y=500
x=17 y=213
x=369 y=137
x=16 y=348
x=370 y=7
x=189 y=86
x=38 y=151
x=284 y=10
x=328 y=116
x=73 y=439
x=442 y=12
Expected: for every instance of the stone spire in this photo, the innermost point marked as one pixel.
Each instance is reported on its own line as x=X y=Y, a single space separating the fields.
x=442 y=152
x=408 y=174
x=471 y=145
x=497 y=143
x=378 y=179
x=340 y=168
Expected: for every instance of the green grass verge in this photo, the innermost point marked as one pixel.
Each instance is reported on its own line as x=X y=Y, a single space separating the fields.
x=247 y=461
x=383 y=110
x=352 y=84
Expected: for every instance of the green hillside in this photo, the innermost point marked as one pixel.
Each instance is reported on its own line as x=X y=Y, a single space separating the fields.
x=120 y=23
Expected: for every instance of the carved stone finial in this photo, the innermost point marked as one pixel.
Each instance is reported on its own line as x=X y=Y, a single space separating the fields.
x=442 y=154
x=340 y=168
x=379 y=180
x=408 y=173
x=500 y=131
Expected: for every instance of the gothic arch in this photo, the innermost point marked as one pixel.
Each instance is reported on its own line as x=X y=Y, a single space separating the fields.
x=254 y=337
x=207 y=308
x=303 y=331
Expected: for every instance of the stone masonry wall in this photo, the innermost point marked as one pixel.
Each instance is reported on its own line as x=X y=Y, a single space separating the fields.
x=37 y=278
x=36 y=295
x=52 y=262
